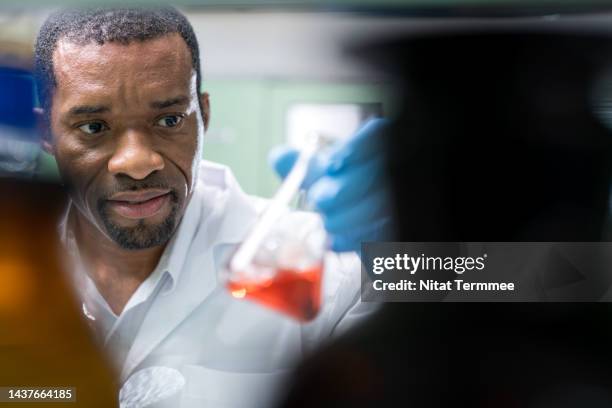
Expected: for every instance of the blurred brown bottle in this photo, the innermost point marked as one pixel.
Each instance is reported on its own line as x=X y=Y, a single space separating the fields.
x=44 y=340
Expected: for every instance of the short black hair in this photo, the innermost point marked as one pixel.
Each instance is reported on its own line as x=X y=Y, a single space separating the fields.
x=102 y=25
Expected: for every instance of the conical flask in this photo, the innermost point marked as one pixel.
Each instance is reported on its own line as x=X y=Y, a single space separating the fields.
x=280 y=263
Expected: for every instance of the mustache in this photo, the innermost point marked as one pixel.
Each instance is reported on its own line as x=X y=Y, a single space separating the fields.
x=125 y=183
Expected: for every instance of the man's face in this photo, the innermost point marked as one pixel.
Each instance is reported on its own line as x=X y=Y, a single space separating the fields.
x=126 y=128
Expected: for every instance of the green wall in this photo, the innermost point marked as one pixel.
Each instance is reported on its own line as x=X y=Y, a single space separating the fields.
x=254 y=113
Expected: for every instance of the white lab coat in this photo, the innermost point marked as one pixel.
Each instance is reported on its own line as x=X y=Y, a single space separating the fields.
x=231 y=352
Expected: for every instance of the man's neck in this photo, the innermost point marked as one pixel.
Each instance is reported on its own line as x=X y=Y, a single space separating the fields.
x=116 y=272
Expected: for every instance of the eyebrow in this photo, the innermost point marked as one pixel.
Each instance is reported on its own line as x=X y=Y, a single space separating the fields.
x=88 y=110
x=179 y=100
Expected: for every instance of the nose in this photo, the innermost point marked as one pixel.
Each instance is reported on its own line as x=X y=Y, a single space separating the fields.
x=134 y=156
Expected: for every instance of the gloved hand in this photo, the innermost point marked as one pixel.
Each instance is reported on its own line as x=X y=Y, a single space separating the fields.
x=347 y=186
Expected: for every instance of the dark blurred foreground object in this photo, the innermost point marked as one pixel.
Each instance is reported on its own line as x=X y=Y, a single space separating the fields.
x=498 y=140
x=44 y=340
x=502 y=136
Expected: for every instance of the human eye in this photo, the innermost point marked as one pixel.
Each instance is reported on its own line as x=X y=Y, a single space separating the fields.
x=92 y=128
x=170 y=121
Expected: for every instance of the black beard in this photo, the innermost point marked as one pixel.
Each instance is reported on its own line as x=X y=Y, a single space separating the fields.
x=141 y=236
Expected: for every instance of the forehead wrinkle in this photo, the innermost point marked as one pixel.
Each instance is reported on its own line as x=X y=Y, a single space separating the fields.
x=147 y=58
x=112 y=67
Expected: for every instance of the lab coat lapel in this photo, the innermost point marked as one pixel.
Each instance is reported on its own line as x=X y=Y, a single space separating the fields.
x=225 y=221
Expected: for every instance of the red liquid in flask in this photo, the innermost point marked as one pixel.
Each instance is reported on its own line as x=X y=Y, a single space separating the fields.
x=296 y=293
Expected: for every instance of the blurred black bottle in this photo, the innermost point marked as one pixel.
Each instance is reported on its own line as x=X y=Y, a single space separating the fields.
x=501 y=137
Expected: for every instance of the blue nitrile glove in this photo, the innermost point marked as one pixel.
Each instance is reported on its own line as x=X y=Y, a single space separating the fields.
x=347 y=186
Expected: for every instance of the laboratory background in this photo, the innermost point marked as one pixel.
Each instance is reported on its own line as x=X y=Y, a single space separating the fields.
x=479 y=121
x=274 y=72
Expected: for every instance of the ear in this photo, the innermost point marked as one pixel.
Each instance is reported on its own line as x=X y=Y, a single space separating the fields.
x=205 y=104
x=44 y=130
